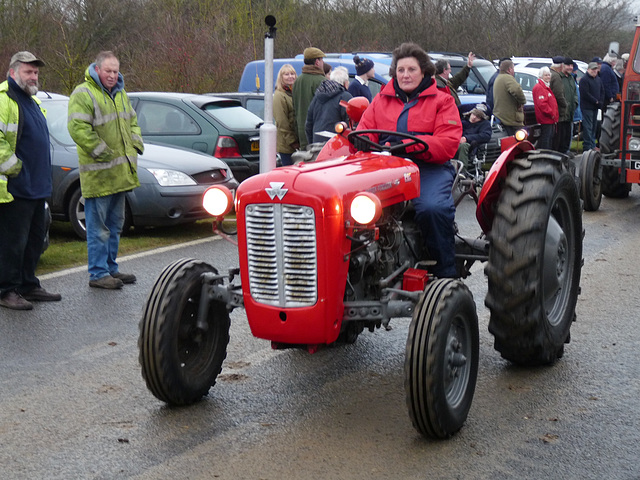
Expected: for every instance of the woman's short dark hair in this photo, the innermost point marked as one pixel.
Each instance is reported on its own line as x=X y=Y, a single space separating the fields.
x=412 y=50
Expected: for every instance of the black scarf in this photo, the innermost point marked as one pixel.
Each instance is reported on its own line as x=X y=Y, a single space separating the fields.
x=424 y=84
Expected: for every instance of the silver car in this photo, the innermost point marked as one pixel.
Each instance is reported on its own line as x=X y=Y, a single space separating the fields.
x=172 y=180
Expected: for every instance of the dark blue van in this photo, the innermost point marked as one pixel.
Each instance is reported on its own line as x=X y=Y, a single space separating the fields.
x=253 y=76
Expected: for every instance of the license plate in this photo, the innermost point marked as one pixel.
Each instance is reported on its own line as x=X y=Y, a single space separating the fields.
x=255 y=146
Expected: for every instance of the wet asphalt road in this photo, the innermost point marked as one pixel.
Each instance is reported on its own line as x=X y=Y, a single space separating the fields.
x=73 y=403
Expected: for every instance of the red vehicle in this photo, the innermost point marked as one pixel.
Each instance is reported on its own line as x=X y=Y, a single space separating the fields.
x=619 y=139
x=329 y=249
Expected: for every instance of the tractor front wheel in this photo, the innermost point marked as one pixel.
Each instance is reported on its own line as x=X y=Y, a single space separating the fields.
x=591 y=180
x=441 y=365
x=180 y=360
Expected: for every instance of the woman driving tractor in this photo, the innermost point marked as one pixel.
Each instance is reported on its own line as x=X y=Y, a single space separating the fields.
x=412 y=104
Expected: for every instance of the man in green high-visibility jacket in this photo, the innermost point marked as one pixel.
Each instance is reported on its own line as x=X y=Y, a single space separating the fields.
x=104 y=126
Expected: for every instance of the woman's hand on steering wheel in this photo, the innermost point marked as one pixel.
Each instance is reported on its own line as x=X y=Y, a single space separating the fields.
x=363 y=143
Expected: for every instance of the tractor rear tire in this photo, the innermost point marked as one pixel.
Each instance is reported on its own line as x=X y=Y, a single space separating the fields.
x=180 y=362
x=535 y=260
x=441 y=365
x=609 y=143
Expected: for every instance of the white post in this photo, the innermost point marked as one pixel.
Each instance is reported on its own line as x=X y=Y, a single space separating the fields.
x=268 y=131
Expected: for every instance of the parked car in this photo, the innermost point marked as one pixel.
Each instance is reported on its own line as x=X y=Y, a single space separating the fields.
x=256 y=68
x=252 y=101
x=172 y=180
x=527 y=77
x=535 y=63
x=213 y=125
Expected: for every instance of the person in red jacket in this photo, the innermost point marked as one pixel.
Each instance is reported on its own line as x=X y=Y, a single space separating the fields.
x=546 y=107
x=412 y=103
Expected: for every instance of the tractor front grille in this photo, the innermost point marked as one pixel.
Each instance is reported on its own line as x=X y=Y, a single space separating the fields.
x=282 y=254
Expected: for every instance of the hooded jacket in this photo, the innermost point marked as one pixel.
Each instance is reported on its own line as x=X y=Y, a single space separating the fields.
x=432 y=116
x=325 y=110
x=10 y=164
x=105 y=128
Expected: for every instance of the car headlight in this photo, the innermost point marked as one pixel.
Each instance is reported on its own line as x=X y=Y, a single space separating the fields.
x=217 y=200
x=366 y=208
x=171 y=178
x=634 y=144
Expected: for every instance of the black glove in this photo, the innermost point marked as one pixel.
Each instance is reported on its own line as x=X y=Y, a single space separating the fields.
x=397 y=148
x=360 y=144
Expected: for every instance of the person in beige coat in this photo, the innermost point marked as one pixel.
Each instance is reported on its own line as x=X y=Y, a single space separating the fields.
x=283 y=114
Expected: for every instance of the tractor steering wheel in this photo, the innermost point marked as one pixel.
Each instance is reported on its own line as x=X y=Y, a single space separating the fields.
x=359 y=136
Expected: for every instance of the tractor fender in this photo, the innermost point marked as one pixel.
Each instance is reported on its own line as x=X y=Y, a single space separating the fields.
x=492 y=187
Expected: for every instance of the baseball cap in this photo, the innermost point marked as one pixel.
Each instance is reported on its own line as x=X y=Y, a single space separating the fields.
x=26 y=57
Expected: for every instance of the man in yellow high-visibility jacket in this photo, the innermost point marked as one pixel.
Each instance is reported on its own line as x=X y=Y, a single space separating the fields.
x=25 y=183
x=104 y=125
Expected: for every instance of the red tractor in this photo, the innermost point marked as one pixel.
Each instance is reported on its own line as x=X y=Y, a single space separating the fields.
x=330 y=248
x=620 y=136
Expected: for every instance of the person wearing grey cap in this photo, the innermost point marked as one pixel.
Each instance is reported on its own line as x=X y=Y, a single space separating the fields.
x=305 y=87
x=591 y=100
x=25 y=183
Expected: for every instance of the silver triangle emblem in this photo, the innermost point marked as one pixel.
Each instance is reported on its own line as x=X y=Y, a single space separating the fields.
x=276 y=190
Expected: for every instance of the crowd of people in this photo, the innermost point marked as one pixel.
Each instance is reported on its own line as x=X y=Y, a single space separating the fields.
x=561 y=100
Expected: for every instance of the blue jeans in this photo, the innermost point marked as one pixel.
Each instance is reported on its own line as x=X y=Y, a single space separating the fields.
x=589 y=127
x=435 y=214
x=22 y=233
x=285 y=159
x=104 y=218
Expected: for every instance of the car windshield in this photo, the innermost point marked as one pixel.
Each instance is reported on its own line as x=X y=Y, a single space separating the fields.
x=526 y=81
x=57 y=120
x=232 y=116
x=486 y=71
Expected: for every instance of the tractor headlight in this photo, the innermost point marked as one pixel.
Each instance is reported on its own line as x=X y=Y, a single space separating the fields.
x=521 y=135
x=634 y=144
x=366 y=208
x=217 y=201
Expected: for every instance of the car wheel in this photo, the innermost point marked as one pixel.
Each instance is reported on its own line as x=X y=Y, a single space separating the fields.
x=77 y=215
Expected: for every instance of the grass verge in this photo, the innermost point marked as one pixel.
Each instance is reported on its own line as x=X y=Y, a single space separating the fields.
x=66 y=250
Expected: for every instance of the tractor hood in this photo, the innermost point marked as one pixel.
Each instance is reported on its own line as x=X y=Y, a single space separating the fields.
x=392 y=179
